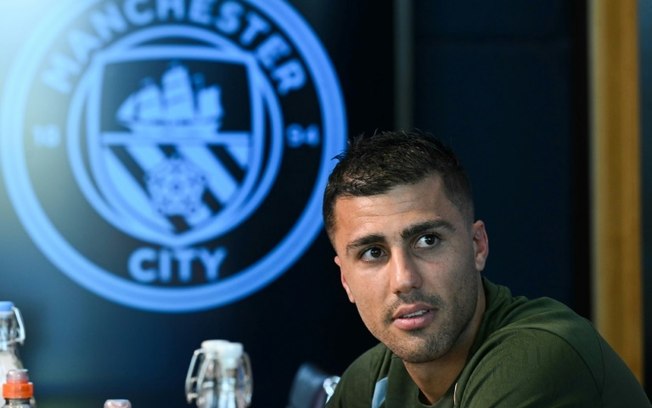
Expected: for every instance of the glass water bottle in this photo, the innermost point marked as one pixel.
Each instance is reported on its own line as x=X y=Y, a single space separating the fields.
x=12 y=333
x=219 y=376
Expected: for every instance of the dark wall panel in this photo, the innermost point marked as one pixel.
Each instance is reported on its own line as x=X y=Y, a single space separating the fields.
x=504 y=83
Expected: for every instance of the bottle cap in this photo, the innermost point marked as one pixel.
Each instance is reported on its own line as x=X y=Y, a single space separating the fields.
x=17 y=385
x=117 y=403
x=6 y=306
x=214 y=345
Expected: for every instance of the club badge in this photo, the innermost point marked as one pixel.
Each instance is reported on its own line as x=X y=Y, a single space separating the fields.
x=171 y=156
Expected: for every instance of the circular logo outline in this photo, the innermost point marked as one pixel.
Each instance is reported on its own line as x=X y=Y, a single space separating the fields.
x=49 y=240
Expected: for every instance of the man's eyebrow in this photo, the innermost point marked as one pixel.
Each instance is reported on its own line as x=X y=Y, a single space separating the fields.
x=364 y=241
x=426 y=227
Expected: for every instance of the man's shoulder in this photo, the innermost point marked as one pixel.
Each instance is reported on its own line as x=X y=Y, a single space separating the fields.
x=541 y=346
x=364 y=382
x=542 y=320
x=507 y=313
x=374 y=362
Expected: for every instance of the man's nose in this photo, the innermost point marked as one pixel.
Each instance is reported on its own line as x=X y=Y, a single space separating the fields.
x=404 y=273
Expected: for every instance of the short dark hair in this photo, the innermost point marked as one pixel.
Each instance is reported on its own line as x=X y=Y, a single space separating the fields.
x=373 y=164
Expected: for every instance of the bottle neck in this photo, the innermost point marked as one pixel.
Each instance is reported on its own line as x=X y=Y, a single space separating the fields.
x=7 y=347
x=9 y=332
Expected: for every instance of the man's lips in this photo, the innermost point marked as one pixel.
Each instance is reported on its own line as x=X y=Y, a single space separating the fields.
x=412 y=317
x=407 y=311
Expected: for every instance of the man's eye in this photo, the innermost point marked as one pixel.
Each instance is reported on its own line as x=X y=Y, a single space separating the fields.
x=427 y=241
x=372 y=254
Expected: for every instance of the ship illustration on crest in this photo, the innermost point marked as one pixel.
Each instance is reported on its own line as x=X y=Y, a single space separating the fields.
x=180 y=108
x=167 y=159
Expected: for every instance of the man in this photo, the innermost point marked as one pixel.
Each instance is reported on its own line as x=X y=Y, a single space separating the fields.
x=399 y=212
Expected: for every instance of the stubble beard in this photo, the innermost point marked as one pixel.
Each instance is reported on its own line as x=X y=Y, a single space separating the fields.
x=431 y=343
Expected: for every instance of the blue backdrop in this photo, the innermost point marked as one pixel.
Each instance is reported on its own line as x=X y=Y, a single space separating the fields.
x=504 y=83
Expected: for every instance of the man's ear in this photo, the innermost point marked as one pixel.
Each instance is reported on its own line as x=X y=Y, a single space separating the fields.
x=480 y=245
x=345 y=285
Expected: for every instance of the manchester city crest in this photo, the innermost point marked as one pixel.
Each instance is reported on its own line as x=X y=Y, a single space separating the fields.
x=171 y=156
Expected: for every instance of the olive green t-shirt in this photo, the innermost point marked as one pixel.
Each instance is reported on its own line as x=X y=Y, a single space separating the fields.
x=527 y=353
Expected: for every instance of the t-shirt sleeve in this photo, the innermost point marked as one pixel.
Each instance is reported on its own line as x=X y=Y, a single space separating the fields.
x=529 y=368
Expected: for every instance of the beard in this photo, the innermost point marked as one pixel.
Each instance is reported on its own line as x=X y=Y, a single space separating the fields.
x=435 y=341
